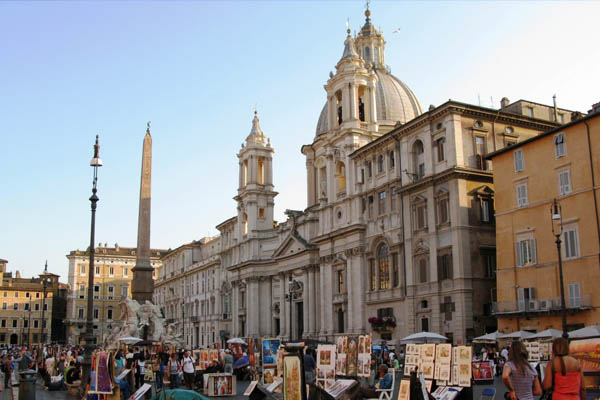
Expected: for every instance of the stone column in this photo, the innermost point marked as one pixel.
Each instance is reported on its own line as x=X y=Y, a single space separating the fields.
x=350 y=294
x=357 y=288
x=331 y=183
x=252 y=307
x=267 y=307
x=322 y=301
x=310 y=181
x=307 y=299
x=312 y=309
x=241 y=176
x=268 y=170
x=372 y=103
x=328 y=300
x=235 y=314
x=353 y=108
x=282 y=307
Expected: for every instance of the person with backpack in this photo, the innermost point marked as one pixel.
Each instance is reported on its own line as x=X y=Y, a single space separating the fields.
x=173 y=367
x=188 y=370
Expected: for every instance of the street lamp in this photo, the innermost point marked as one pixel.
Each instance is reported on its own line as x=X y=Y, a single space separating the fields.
x=183 y=320
x=557 y=229
x=89 y=326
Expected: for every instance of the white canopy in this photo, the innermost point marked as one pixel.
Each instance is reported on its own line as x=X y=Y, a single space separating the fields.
x=489 y=338
x=130 y=340
x=516 y=335
x=236 y=340
x=587 y=332
x=423 y=337
x=547 y=334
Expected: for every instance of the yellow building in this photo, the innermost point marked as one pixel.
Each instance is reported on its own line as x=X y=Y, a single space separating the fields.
x=32 y=309
x=112 y=280
x=562 y=164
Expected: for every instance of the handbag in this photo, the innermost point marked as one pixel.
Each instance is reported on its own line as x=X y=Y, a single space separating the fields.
x=547 y=394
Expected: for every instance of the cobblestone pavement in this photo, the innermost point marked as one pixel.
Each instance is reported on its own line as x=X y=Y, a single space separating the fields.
x=41 y=394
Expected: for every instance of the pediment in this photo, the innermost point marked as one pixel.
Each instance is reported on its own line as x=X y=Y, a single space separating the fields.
x=482 y=191
x=290 y=246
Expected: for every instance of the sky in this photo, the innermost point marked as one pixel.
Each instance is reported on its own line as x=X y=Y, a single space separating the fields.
x=72 y=70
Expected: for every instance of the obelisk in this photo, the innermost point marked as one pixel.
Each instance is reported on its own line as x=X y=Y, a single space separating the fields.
x=142 y=284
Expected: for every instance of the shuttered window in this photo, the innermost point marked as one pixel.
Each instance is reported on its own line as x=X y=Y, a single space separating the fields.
x=571 y=245
x=559 y=145
x=522 y=200
x=574 y=295
x=564 y=182
x=526 y=252
x=519 y=161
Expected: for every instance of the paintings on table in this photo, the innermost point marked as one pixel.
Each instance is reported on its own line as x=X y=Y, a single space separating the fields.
x=293 y=378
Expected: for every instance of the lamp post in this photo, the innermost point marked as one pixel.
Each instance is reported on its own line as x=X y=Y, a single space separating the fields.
x=89 y=326
x=557 y=229
x=29 y=324
x=183 y=320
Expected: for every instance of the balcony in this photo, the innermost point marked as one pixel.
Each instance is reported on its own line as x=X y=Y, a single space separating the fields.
x=549 y=307
x=195 y=318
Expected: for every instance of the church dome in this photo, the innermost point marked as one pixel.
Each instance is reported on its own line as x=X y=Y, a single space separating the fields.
x=395 y=102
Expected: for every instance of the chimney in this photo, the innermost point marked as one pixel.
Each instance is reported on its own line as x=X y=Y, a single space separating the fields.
x=17 y=274
x=504 y=102
x=117 y=246
x=575 y=115
x=595 y=108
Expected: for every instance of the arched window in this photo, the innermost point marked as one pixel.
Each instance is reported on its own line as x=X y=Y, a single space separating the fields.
x=384 y=266
x=340 y=173
x=376 y=56
x=380 y=163
x=418 y=160
x=392 y=160
x=367 y=54
x=245 y=173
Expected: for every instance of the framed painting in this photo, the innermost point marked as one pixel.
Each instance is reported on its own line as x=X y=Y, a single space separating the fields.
x=269 y=351
x=269 y=375
x=352 y=356
x=404 y=392
x=293 y=378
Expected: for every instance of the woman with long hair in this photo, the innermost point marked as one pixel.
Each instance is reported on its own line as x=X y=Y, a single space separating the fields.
x=519 y=377
x=564 y=374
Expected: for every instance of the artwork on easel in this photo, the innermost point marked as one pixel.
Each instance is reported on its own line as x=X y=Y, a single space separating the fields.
x=293 y=378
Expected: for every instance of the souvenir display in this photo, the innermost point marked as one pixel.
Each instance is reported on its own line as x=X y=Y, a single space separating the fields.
x=280 y=353
x=274 y=387
x=587 y=352
x=428 y=352
x=533 y=351
x=250 y=388
x=404 y=391
x=221 y=385
x=293 y=378
x=340 y=386
x=464 y=374
x=196 y=355
x=427 y=369
x=269 y=375
x=326 y=364
x=465 y=354
x=482 y=371
x=269 y=351
x=408 y=369
x=102 y=381
x=428 y=385
x=364 y=356
x=443 y=353
x=352 y=356
x=412 y=349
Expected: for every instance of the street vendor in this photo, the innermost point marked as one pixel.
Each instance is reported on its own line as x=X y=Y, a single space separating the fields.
x=384 y=382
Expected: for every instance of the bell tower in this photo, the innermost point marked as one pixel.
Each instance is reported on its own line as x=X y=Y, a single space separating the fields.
x=255 y=196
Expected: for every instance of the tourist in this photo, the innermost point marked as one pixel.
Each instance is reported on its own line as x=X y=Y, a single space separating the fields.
x=74 y=373
x=174 y=367
x=309 y=366
x=384 y=382
x=520 y=378
x=119 y=363
x=564 y=374
x=188 y=370
x=7 y=369
x=140 y=370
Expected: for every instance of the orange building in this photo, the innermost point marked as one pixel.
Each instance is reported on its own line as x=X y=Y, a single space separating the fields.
x=562 y=164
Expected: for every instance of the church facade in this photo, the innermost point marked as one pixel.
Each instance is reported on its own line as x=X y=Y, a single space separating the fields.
x=398 y=235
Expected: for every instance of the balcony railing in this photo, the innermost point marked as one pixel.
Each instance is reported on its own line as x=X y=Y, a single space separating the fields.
x=541 y=306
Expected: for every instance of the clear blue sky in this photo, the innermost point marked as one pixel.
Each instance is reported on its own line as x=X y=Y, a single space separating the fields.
x=70 y=70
